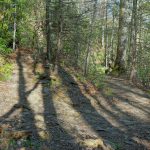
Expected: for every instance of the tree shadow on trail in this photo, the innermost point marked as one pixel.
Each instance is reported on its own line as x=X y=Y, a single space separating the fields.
x=126 y=87
x=23 y=123
x=59 y=138
x=27 y=113
x=136 y=125
x=97 y=121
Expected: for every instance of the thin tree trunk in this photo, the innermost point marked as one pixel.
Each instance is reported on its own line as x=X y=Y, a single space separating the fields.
x=48 y=32
x=59 y=34
x=106 y=36
x=87 y=58
x=112 y=38
x=103 y=37
x=15 y=28
x=134 y=40
x=77 y=44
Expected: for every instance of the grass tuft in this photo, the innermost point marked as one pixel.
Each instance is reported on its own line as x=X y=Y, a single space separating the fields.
x=6 y=69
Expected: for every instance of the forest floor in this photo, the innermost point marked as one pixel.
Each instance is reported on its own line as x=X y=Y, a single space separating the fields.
x=61 y=113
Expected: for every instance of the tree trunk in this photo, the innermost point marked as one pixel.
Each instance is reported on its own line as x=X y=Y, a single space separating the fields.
x=133 y=41
x=15 y=28
x=87 y=58
x=106 y=36
x=48 y=32
x=59 y=35
x=120 y=63
x=112 y=38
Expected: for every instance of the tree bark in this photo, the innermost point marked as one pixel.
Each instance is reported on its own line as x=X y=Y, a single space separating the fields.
x=87 y=58
x=15 y=28
x=48 y=32
x=133 y=41
x=59 y=35
x=120 y=62
x=106 y=35
x=112 y=37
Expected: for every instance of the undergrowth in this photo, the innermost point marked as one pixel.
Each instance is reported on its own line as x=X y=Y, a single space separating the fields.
x=6 y=69
x=4 y=50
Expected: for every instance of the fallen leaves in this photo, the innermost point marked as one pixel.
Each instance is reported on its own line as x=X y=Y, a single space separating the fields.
x=8 y=136
x=96 y=144
x=11 y=134
x=20 y=134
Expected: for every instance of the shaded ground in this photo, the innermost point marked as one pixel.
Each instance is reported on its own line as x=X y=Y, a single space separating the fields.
x=60 y=114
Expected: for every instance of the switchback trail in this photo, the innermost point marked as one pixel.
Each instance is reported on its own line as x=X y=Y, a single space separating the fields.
x=60 y=114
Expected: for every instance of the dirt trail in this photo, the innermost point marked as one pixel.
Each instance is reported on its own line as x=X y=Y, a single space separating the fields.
x=61 y=115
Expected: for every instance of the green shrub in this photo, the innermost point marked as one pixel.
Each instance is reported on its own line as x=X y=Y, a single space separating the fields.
x=5 y=69
x=97 y=75
x=3 y=47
